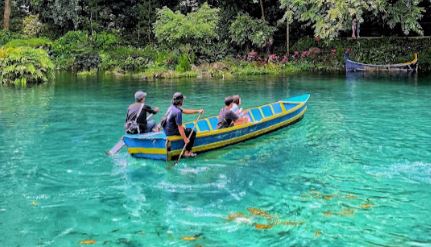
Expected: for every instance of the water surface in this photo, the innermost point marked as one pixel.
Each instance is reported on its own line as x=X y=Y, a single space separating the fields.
x=355 y=171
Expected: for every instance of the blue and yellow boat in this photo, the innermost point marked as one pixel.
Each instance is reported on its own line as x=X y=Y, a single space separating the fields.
x=264 y=119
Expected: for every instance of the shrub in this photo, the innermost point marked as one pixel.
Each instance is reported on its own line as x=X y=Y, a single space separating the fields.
x=24 y=65
x=183 y=63
x=105 y=40
x=66 y=49
x=6 y=36
x=43 y=43
x=73 y=42
x=86 y=61
x=134 y=64
x=304 y=44
x=128 y=58
x=31 y=25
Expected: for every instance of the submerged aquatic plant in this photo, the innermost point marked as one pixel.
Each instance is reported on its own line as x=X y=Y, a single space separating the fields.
x=263 y=226
x=87 y=241
x=192 y=238
x=259 y=212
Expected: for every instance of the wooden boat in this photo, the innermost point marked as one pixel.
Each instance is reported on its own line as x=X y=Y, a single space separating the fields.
x=264 y=119
x=352 y=66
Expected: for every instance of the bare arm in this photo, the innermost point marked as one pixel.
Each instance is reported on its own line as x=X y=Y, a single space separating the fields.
x=192 y=111
x=183 y=134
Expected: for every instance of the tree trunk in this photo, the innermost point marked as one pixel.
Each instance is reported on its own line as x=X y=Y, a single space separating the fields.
x=91 y=22
x=149 y=21
x=287 y=39
x=6 y=15
x=262 y=10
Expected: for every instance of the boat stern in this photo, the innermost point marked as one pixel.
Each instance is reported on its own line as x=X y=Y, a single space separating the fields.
x=149 y=145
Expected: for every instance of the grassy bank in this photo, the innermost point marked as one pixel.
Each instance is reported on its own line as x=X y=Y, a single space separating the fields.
x=87 y=54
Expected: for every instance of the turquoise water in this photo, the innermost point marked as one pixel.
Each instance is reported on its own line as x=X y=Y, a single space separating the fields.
x=356 y=171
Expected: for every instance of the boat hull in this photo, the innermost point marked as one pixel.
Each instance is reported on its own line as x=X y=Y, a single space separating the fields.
x=352 y=66
x=265 y=119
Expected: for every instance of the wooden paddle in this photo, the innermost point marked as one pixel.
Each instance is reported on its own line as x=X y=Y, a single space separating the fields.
x=120 y=143
x=190 y=135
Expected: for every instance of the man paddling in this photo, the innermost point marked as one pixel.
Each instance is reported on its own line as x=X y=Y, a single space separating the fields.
x=173 y=125
x=136 y=120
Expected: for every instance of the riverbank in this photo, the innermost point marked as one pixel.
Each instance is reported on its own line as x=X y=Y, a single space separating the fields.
x=226 y=69
x=85 y=54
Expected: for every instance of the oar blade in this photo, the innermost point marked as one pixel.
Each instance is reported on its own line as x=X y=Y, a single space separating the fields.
x=115 y=149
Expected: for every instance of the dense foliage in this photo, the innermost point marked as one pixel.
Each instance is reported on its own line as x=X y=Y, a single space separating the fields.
x=24 y=65
x=246 y=30
x=329 y=17
x=161 y=38
x=195 y=31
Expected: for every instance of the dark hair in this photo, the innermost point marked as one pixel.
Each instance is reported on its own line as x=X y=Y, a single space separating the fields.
x=236 y=99
x=177 y=99
x=228 y=100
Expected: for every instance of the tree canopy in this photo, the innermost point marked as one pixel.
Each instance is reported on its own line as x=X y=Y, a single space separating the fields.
x=140 y=22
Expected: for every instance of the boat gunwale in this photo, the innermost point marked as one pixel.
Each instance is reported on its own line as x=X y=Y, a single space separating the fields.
x=242 y=126
x=248 y=136
x=395 y=66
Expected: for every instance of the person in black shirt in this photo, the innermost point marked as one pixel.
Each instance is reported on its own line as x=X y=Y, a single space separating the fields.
x=174 y=123
x=138 y=124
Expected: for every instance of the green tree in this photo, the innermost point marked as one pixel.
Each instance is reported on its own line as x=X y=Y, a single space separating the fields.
x=329 y=17
x=146 y=17
x=197 y=29
x=406 y=13
x=59 y=14
x=246 y=30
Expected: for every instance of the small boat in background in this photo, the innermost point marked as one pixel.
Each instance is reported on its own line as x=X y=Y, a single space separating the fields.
x=352 y=66
x=264 y=119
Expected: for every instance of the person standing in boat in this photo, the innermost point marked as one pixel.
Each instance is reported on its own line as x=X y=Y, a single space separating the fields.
x=227 y=117
x=173 y=124
x=136 y=119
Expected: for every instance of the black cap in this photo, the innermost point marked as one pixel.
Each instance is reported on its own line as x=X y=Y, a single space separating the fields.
x=178 y=96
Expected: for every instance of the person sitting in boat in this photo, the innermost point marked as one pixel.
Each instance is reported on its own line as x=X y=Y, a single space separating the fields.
x=236 y=106
x=136 y=119
x=227 y=118
x=173 y=124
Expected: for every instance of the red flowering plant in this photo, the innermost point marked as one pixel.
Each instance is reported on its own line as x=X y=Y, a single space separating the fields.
x=296 y=55
x=272 y=58
x=252 y=56
x=305 y=54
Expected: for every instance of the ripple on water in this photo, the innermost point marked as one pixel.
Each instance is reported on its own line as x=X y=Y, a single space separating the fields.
x=355 y=171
